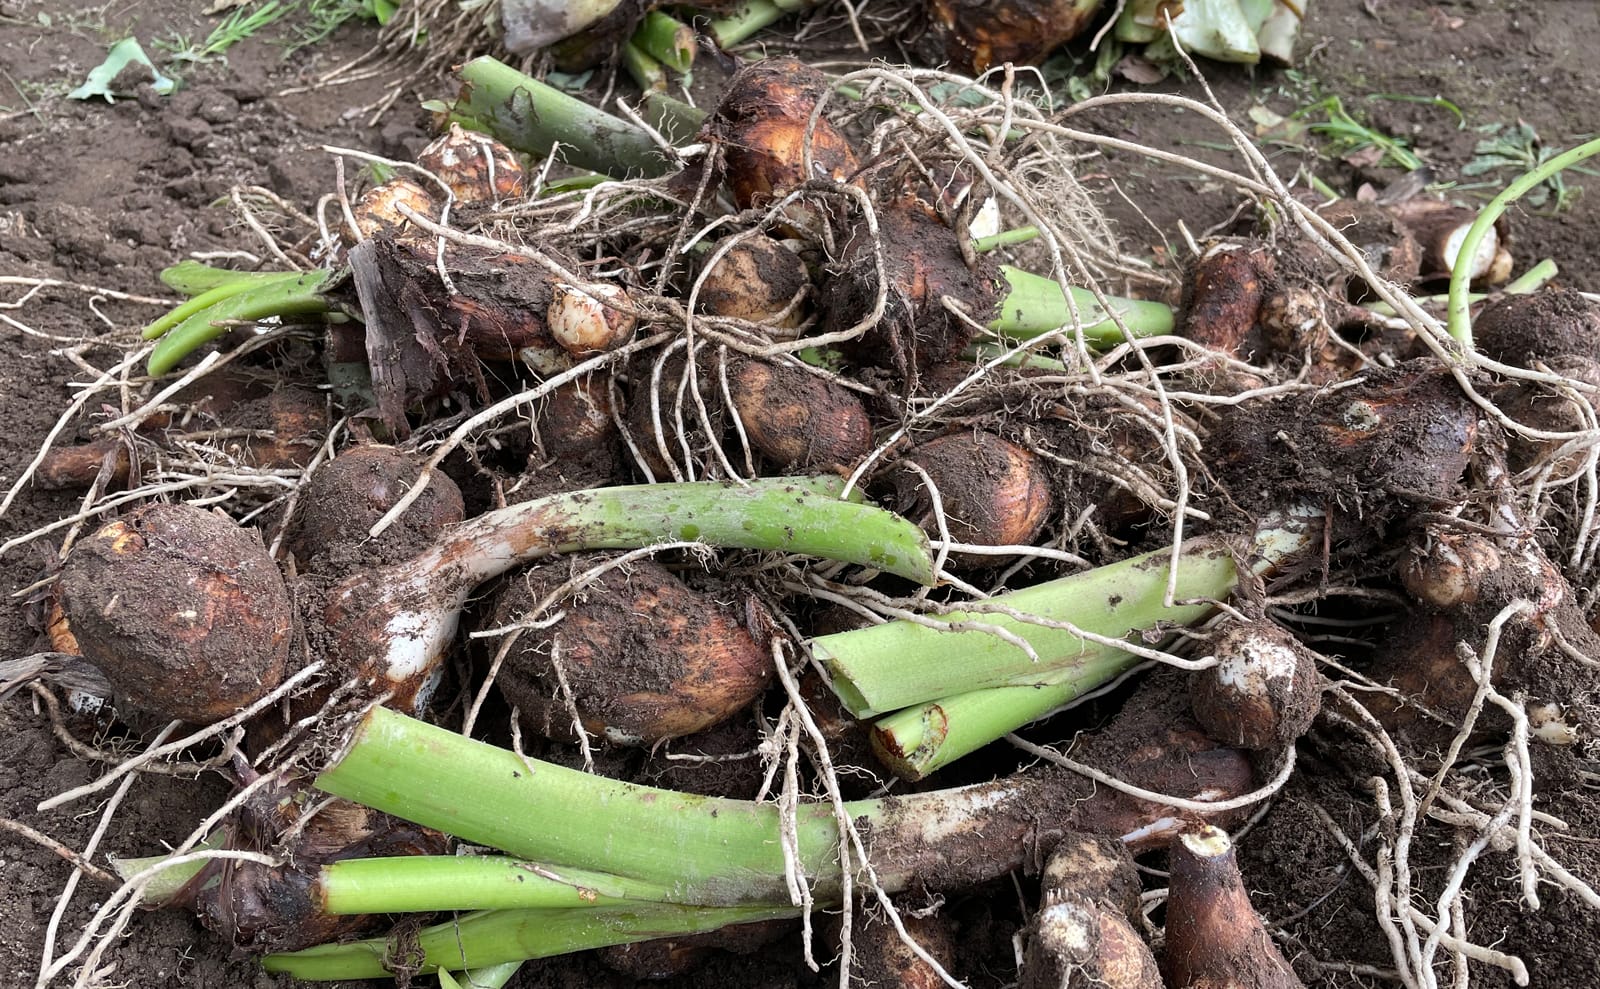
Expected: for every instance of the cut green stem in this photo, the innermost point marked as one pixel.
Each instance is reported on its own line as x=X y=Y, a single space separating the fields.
x=500 y=936
x=1035 y=305
x=676 y=120
x=1458 y=313
x=667 y=40
x=209 y=315
x=919 y=739
x=746 y=20
x=198 y=302
x=535 y=119
x=428 y=883
x=883 y=668
x=646 y=71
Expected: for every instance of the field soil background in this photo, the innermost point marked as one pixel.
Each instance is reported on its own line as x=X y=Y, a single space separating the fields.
x=104 y=196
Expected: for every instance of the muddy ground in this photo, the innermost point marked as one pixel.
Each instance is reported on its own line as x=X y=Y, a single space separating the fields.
x=105 y=196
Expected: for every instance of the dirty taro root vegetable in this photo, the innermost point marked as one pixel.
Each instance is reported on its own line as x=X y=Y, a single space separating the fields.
x=1215 y=939
x=690 y=862
x=378 y=210
x=1539 y=326
x=978 y=35
x=881 y=957
x=393 y=624
x=770 y=144
x=1264 y=691
x=476 y=167
x=183 y=611
x=640 y=656
x=1083 y=934
x=796 y=420
x=1440 y=229
x=992 y=492
x=346 y=496
x=590 y=319
x=760 y=280
x=923 y=266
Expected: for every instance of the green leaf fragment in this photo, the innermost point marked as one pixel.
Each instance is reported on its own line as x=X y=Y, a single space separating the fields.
x=103 y=80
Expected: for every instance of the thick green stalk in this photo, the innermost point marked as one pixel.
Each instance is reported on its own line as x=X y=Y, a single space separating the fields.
x=1035 y=305
x=676 y=120
x=918 y=740
x=429 y=883
x=705 y=850
x=399 y=621
x=667 y=40
x=744 y=21
x=498 y=936
x=646 y=71
x=534 y=118
x=708 y=851
x=292 y=295
x=886 y=667
x=1459 y=318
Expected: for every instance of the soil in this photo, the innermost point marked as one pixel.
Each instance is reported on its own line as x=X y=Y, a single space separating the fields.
x=105 y=196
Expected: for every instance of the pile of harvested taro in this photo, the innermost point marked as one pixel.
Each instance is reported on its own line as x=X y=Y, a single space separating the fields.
x=791 y=528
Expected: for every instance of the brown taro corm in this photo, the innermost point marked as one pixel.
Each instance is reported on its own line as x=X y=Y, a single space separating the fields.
x=1396 y=441
x=763 y=124
x=797 y=421
x=1215 y=939
x=183 y=611
x=925 y=272
x=1264 y=691
x=1539 y=326
x=1083 y=934
x=643 y=655
x=978 y=35
x=345 y=497
x=993 y=492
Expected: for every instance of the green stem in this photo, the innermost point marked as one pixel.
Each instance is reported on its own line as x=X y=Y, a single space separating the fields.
x=213 y=312
x=920 y=739
x=490 y=977
x=883 y=668
x=191 y=278
x=1458 y=314
x=500 y=936
x=401 y=619
x=743 y=22
x=646 y=71
x=1035 y=305
x=1005 y=238
x=667 y=40
x=709 y=851
x=429 y=883
x=534 y=118
x=222 y=289
x=676 y=120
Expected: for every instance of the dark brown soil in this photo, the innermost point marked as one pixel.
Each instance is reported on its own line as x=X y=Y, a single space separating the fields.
x=108 y=195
